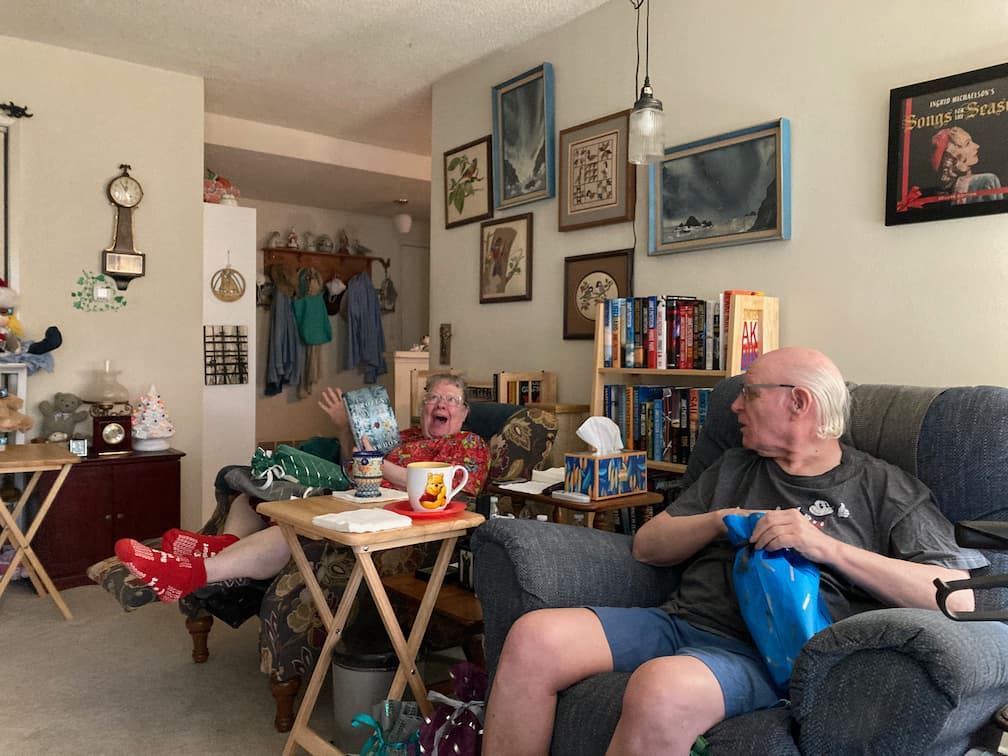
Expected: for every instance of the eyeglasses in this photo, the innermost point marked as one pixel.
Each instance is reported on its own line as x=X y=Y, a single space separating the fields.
x=751 y=390
x=455 y=401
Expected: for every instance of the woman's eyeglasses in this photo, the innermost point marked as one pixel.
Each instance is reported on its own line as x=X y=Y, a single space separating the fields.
x=455 y=401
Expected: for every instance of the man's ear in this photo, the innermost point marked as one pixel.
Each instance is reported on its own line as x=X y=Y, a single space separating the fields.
x=801 y=400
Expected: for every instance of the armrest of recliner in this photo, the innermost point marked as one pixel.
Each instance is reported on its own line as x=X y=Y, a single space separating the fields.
x=899 y=681
x=522 y=565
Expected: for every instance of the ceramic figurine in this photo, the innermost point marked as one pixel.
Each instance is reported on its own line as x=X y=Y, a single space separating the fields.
x=309 y=241
x=293 y=242
x=275 y=240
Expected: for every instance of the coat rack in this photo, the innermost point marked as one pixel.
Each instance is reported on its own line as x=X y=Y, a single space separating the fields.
x=328 y=264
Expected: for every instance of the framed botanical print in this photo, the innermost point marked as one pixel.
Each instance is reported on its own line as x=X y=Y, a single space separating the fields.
x=523 y=138
x=468 y=183
x=597 y=184
x=506 y=259
x=948 y=148
x=589 y=280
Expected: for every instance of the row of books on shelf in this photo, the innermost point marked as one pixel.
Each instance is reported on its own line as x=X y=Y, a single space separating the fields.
x=520 y=391
x=661 y=421
x=667 y=332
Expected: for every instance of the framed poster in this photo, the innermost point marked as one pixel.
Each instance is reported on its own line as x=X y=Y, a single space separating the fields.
x=506 y=259
x=588 y=280
x=597 y=184
x=728 y=189
x=468 y=183
x=948 y=148
x=523 y=141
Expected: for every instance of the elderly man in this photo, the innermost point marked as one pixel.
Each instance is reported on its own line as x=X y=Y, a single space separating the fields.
x=873 y=530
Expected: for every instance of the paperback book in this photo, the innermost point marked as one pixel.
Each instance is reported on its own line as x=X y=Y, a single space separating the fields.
x=371 y=414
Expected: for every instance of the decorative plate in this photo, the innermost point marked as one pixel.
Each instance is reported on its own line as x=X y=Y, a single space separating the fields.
x=403 y=507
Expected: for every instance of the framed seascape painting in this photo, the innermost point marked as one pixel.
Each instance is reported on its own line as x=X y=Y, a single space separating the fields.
x=506 y=259
x=948 y=148
x=588 y=280
x=597 y=184
x=468 y=183
x=728 y=189
x=523 y=139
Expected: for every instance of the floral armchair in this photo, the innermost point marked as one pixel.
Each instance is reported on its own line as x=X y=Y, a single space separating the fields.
x=291 y=632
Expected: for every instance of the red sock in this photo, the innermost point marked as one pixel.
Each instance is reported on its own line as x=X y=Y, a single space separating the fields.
x=170 y=576
x=184 y=543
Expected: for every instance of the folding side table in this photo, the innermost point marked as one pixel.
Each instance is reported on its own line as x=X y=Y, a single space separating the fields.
x=294 y=517
x=36 y=459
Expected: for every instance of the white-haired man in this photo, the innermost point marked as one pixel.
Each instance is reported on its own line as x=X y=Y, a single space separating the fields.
x=873 y=530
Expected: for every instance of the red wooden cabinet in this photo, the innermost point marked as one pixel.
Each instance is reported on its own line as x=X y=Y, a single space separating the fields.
x=103 y=499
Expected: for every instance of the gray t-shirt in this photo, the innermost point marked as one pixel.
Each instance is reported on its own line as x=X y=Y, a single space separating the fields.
x=863 y=501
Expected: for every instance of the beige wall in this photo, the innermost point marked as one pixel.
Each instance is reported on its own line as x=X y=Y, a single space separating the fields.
x=91 y=114
x=922 y=303
x=285 y=416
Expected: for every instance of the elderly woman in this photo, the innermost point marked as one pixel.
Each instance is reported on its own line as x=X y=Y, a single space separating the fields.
x=249 y=547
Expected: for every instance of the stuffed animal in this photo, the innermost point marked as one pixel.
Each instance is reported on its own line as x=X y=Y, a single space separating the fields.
x=10 y=327
x=10 y=417
x=60 y=416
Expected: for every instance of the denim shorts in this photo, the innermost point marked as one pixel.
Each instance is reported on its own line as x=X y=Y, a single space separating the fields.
x=637 y=635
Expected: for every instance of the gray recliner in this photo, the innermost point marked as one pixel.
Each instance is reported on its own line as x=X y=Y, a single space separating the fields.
x=889 y=681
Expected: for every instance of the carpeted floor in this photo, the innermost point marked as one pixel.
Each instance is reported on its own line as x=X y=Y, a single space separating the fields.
x=110 y=682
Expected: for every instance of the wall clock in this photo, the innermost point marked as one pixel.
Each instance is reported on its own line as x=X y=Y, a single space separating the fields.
x=121 y=261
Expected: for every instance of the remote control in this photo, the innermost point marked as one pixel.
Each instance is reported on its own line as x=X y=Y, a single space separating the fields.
x=571 y=496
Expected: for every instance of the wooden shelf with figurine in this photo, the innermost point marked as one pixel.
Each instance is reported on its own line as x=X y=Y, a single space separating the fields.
x=329 y=264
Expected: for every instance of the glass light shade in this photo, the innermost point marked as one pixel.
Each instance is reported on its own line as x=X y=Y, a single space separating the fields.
x=403 y=222
x=646 y=143
x=105 y=389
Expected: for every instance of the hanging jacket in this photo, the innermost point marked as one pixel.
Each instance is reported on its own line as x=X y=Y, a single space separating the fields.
x=286 y=354
x=365 y=338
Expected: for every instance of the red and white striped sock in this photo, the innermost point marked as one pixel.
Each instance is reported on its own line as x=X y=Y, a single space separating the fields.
x=185 y=543
x=170 y=576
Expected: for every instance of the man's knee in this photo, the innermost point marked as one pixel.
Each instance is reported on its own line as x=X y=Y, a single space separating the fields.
x=679 y=685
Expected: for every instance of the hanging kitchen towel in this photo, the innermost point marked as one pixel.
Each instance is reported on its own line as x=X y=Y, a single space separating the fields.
x=778 y=593
x=310 y=309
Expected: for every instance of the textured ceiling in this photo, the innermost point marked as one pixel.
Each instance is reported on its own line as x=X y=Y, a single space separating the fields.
x=354 y=69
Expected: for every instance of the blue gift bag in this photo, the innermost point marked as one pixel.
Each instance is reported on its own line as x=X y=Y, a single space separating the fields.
x=778 y=593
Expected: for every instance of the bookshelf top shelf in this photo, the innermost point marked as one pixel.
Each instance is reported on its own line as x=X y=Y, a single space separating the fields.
x=713 y=375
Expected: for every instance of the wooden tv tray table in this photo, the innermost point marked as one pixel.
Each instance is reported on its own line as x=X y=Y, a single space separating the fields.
x=295 y=519
x=36 y=459
x=596 y=505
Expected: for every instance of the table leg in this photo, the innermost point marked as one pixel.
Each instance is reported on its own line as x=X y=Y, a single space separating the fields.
x=22 y=544
x=301 y=733
x=407 y=650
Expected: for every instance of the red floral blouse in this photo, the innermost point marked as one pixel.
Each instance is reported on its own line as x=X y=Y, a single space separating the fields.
x=465 y=448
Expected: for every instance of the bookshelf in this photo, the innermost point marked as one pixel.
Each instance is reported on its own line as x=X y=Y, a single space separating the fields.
x=524 y=388
x=751 y=318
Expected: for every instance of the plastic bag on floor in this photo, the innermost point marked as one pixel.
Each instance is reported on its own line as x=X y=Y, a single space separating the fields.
x=396 y=726
x=456 y=726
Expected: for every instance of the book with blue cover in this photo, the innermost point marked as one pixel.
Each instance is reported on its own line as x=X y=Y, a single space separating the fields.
x=370 y=413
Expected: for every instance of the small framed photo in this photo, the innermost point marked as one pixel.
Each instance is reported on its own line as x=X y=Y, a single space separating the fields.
x=79 y=446
x=590 y=279
x=523 y=138
x=597 y=184
x=468 y=183
x=948 y=148
x=506 y=259
x=728 y=189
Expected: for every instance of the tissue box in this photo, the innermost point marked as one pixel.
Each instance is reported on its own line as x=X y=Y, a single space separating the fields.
x=607 y=475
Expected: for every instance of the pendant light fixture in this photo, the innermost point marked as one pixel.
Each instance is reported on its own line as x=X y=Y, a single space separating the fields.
x=647 y=119
x=403 y=221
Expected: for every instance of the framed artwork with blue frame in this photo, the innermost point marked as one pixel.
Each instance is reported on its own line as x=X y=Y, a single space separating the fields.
x=523 y=138
x=729 y=189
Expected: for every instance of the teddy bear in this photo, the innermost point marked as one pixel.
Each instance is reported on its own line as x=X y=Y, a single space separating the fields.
x=60 y=416
x=10 y=417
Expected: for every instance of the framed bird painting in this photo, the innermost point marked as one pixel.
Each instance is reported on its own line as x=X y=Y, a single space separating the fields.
x=468 y=183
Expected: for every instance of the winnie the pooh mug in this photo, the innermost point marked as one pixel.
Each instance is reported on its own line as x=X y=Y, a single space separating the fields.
x=429 y=484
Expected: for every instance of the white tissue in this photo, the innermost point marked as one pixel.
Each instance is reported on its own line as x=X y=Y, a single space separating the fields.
x=602 y=434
